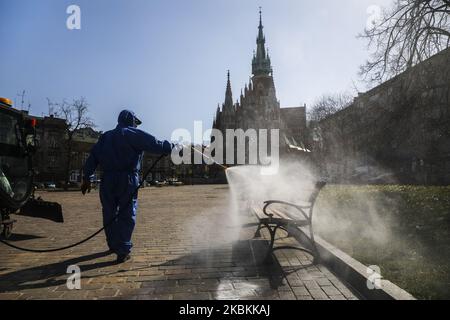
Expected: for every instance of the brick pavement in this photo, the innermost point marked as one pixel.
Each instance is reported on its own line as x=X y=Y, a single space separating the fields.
x=187 y=246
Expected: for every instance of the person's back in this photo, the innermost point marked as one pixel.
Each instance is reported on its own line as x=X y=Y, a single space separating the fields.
x=120 y=149
x=115 y=152
x=119 y=153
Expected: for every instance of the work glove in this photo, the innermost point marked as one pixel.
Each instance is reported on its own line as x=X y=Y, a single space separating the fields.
x=85 y=186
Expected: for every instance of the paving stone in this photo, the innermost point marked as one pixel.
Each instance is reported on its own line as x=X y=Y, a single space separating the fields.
x=323 y=282
x=318 y=294
x=300 y=291
x=338 y=297
x=155 y=297
x=189 y=255
x=10 y=296
x=296 y=283
x=191 y=296
x=331 y=291
x=311 y=284
x=177 y=289
x=159 y=283
x=286 y=295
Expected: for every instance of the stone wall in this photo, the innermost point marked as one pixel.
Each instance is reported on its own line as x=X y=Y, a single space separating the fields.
x=396 y=132
x=294 y=123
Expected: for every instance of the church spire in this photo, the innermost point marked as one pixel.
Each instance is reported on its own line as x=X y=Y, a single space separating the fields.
x=228 y=93
x=261 y=62
x=261 y=39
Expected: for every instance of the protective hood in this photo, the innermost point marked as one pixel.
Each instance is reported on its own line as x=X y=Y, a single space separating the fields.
x=127 y=118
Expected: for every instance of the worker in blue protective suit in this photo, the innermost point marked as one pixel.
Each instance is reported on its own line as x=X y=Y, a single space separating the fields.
x=119 y=153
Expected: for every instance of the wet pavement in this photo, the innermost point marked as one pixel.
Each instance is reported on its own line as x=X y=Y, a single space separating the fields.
x=187 y=245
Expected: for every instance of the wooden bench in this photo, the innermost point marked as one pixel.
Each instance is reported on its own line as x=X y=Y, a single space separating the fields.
x=293 y=222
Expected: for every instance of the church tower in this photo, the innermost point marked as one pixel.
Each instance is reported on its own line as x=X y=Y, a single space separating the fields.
x=262 y=109
x=261 y=61
x=258 y=106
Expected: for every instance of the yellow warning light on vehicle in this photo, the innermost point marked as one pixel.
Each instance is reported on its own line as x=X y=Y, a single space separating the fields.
x=6 y=101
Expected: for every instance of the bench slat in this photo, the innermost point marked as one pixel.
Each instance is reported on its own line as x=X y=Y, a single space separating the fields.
x=279 y=217
x=283 y=214
x=259 y=212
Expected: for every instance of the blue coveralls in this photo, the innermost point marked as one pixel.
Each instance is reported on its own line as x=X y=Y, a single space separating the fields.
x=119 y=153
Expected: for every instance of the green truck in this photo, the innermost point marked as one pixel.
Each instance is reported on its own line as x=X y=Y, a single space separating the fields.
x=17 y=146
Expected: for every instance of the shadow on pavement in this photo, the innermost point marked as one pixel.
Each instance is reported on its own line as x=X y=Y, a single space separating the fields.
x=22 y=237
x=44 y=276
x=244 y=262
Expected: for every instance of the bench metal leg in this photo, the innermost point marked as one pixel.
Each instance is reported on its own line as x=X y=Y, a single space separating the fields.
x=258 y=231
x=314 y=247
x=272 y=236
x=313 y=252
x=261 y=226
x=272 y=232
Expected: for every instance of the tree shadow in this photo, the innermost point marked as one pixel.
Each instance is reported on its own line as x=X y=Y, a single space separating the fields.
x=246 y=262
x=22 y=237
x=45 y=276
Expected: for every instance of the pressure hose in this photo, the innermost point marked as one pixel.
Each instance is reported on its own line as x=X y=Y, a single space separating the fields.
x=95 y=233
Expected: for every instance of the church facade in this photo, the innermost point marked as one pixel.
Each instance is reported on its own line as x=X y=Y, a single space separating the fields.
x=258 y=106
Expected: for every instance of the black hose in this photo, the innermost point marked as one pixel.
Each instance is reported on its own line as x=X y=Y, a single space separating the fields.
x=95 y=233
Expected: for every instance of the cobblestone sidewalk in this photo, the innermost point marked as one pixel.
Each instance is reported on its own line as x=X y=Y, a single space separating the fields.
x=187 y=246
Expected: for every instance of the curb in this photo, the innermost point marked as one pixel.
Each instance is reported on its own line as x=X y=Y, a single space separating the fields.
x=354 y=273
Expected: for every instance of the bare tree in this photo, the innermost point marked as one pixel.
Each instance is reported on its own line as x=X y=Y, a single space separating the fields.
x=408 y=33
x=329 y=104
x=327 y=134
x=76 y=116
x=22 y=96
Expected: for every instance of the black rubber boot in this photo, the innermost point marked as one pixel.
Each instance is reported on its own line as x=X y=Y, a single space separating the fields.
x=121 y=258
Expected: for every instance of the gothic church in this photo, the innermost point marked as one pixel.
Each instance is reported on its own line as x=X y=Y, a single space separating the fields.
x=258 y=107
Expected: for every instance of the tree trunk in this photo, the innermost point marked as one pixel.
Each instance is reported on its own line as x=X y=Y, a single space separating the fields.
x=68 y=162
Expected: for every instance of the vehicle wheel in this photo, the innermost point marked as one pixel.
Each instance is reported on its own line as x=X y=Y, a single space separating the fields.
x=7 y=231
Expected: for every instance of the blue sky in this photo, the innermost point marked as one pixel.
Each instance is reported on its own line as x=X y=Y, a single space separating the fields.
x=167 y=59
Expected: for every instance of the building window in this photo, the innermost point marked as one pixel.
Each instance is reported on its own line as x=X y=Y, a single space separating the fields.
x=53 y=143
x=75 y=176
x=52 y=160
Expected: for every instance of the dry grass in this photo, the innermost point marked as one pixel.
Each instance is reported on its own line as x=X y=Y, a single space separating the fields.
x=416 y=254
